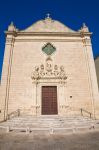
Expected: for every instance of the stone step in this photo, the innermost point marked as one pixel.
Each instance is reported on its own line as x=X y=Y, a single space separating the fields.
x=67 y=130
x=62 y=120
x=65 y=123
x=48 y=120
x=41 y=123
x=28 y=124
x=54 y=124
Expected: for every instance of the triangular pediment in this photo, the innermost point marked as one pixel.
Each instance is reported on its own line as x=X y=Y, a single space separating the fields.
x=48 y=25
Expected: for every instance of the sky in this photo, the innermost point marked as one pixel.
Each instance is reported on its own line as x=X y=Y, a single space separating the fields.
x=73 y=13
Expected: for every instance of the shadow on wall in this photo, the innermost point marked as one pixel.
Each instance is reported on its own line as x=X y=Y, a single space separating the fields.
x=97 y=68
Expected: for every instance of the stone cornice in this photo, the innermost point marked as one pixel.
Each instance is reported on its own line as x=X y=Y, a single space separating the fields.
x=45 y=40
x=63 y=34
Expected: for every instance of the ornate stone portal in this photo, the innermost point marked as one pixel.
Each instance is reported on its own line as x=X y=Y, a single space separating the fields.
x=49 y=74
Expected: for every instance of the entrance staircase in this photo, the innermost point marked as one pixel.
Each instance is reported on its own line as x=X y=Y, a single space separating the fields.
x=50 y=124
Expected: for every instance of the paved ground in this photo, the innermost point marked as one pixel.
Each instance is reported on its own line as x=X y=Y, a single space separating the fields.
x=23 y=141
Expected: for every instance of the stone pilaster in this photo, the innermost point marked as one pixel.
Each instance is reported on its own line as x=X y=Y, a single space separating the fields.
x=92 y=77
x=6 y=74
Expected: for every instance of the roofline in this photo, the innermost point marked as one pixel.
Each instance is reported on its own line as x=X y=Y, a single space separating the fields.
x=18 y=33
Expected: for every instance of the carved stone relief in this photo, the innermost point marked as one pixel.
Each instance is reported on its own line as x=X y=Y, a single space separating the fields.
x=48 y=70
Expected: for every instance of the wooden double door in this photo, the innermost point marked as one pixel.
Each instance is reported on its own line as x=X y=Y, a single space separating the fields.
x=49 y=100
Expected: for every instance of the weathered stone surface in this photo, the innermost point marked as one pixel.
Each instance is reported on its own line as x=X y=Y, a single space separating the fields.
x=75 y=80
x=50 y=124
x=97 y=69
x=22 y=141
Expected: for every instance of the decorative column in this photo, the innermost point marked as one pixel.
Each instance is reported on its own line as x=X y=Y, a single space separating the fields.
x=62 y=103
x=34 y=97
x=35 y=77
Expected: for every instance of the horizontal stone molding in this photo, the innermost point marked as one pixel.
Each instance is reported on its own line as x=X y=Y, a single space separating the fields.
x=47 y=33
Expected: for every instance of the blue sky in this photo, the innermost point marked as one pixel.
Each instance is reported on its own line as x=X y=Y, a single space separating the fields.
x=70 y=12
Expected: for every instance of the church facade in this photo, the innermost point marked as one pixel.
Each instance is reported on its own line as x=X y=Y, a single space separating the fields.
x=48 y=69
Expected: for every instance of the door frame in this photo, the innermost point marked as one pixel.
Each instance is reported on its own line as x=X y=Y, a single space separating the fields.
x=60 y=95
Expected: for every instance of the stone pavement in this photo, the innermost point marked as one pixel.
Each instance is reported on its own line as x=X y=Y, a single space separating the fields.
x=23 y=141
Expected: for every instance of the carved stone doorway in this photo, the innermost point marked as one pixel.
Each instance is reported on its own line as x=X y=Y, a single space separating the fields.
x=49 y=100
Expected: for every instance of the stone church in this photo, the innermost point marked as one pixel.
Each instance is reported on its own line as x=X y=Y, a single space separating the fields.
x=48 y=69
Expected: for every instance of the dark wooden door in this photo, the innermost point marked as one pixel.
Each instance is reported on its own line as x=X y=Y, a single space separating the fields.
x=49 y=100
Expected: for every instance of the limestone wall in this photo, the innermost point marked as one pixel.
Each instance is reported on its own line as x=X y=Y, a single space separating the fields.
x=27 y=55
x=23 y=53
